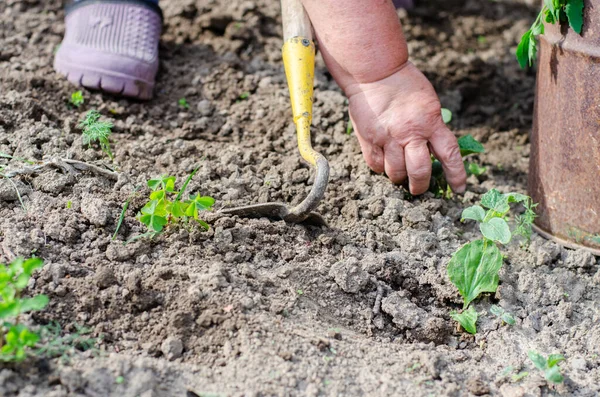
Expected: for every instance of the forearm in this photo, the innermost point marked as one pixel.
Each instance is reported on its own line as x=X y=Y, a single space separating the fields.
x=361 y=40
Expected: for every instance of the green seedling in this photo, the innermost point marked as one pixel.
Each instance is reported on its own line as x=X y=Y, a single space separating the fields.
x=553 y=11
x=123 y=211
x=519 y=376
x=16 y=338
x=77 y=99
x=244 y=95
x=183 y=103
x=474 y=268
x=503 y=315
x=349 y=127
x=160 y=211
x=467 y=319
x=468 y=146
x=55 y=343
x=95 y=130
x=548 y=366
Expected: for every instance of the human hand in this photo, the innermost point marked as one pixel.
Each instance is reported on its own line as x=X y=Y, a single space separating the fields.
x=399 y=125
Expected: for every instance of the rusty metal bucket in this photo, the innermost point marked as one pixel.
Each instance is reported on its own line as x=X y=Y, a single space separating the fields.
x=564 y=174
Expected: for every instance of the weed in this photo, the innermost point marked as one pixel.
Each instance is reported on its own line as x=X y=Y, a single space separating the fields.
x=123 y=211
x=119 y=380
x=474 y=268
x=519 y=376
x=553 y=11
x=244 y=95
x=95 y=130
x=57 y=344
x=69 y=204
x=16 y=338
x=183 y=103
x=503 y=315
x=77 y=99
x=548 y=366
x=160 y=211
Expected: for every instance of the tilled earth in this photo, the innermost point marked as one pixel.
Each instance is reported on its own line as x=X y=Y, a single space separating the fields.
x=260 y=308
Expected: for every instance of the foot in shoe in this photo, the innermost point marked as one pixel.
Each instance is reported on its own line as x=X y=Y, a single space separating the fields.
x=111 y=45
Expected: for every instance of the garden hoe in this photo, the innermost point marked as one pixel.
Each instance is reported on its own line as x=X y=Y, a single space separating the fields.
x=299 y=61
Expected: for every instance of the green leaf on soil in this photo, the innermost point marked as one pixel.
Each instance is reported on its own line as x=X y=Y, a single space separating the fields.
x=495 y=201
x=574 y=11
x=153 y=216
x=496 y=229
x=519 y=376
x=469 y=145
x=538 y=360
x=475 y=213
x=467 y=319
x=474 y=169
x=474 y=269
x=508 y=319
x=38 y=302
x=554 y=359
x=446 y=115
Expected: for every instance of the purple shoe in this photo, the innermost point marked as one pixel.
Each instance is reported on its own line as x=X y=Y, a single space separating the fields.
x=111 y=45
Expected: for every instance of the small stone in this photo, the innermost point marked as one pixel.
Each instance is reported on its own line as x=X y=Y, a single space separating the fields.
x=477 y=387
x=95 y=211
x=334 y=334
x=205 y=107
x=349 y=275
x=172 y=348
x=105 y=278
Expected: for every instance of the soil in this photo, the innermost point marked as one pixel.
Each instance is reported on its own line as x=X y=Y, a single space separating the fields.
x=254 y=307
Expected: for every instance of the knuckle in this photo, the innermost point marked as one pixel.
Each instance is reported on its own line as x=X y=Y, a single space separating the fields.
x=421 y=173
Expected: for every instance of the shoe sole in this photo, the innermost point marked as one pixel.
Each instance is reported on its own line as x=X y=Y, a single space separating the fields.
x=104 y=80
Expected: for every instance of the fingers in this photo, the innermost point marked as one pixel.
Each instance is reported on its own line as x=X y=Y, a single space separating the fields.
x=373 y=154
x=395 y=166
x=418 y=166
x=445 y=148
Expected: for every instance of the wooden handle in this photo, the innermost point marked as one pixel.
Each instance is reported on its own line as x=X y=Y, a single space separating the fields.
x=295 y=20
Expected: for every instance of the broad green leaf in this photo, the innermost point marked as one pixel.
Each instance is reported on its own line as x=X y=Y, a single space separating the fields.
x=508 y=318
x=496 y=229
x=446 y=115
x=9 y=309
x=523 y=50
x=467 y=319
x=165 y=182
x=177 y=209
x=158 y=195
x=574 y=11
x=474 y=269
x=554 y=359
x=496 y=201
x=516 y=197
x=153 y=216
x=553 y=375
x=38 y=302
x=203 y=202
x=475 y=213
x=32 y=264
x=496 y=310
x=469 y=145
x=538 y=360
x=474 y=169
x=22 y=280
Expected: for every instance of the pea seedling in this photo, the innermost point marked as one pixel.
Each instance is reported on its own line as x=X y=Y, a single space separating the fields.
x=15 y=338
x=95 y=130
x=503 y=315
x=160 y=211
x=548 y=366
x=553 y=11
x=467 y=145
x=474 y=268
x=77 y=99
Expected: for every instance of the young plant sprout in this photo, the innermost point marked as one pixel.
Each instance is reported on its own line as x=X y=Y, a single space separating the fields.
x=77 y=99
x=553 y=11
x=95 y=130
x=161 y=211
x=468 y=145
x=183 y=103
x=16 y=338
x=549 y=366
x=474 y=268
